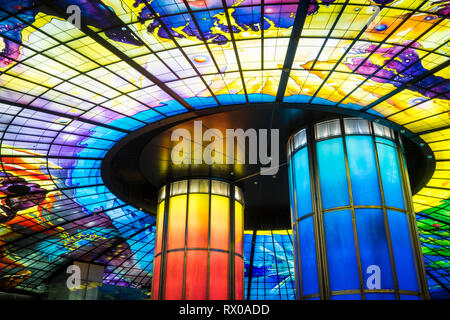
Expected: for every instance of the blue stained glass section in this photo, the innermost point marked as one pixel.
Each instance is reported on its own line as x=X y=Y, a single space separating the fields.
x=171 y=108
x=363 y=170
x=308 y=256
x=373 y=246
x=272 y=269
x=346 y=297
x=231 y=98
x=302 y=184
x=341 y=252
x=291 y=190
x=333 y=176
x=408 y=297
x=387 y=141
x=390 y=176
x=379 y=296
x=403 y=252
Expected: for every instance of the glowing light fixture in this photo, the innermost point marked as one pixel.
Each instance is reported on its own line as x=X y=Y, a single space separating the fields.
x=199 y=241
x=353 y=221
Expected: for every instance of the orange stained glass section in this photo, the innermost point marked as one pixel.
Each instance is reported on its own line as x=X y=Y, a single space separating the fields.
x=239 y=227
x=177 y=222
x=198 y=221
x=220 y=222
x=159 y=226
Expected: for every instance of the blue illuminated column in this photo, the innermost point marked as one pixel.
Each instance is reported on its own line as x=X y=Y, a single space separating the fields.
x=352 y=215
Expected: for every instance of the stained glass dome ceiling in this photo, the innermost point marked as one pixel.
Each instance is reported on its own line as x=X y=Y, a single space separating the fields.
x=67 y=94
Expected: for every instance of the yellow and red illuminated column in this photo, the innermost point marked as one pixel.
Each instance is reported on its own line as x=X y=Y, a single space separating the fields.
x=199 y=241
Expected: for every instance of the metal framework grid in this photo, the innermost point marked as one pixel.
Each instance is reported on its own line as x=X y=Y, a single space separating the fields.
x=68 y=94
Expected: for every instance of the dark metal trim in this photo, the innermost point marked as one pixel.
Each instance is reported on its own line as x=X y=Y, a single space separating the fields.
x=250 y=267
x=319 y=232
x=300 y=18
x=411 y=218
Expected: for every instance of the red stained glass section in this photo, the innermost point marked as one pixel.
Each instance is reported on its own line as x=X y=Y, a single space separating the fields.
x=174 y=276
x=155 y=285
x=239 y=277
x=218 y=276
x=196 y=275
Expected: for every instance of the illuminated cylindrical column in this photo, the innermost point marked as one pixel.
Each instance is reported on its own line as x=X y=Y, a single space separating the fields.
x=352 y=216
x=199 y=241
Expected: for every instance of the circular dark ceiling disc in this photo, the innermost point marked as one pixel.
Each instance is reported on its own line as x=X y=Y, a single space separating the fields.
x=144 y=163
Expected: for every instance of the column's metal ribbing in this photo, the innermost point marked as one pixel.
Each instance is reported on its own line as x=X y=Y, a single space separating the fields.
x=250 y=268
x=183 y=293
x=411 y=218
x=162 y=264
x=319 y=234
x=294 y=214
x=352 y=209
x=385 y=217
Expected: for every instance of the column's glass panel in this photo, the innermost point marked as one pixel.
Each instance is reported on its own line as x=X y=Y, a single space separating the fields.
x=176 y=222
x=292 y=190
x=156 y=272
x=363 y=170
x=379 y=296
x=162 y=193
x=220 y=224
x=403 y=251
x=239 y=277
x=239 y=227
x=328 y=129
x=196 y=274
x=238 y=194
x=356 y=126
x=178 y=187
x=220 y=187
x=346 y=297
x=218 y=275
x=159 y=226
x=390 y=176
x=333 y=175
x=409 y=297
x=174 y=283
x=383 y=131
x=302 y=182
x=341 y=252
x=308 y=257
x=198 y=221
x=386 y=141
x=300 y=139
x=199 y=185
x=373 y=245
